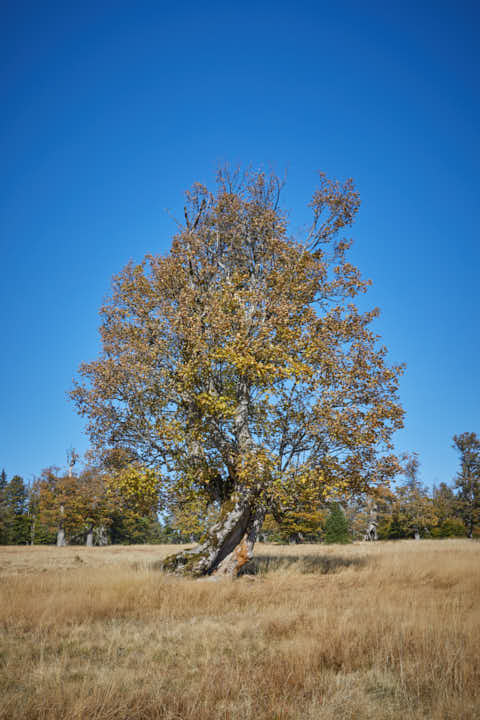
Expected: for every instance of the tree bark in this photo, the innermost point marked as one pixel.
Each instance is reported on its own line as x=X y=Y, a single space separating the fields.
x=228 y=546
x=371 y=533
x=101 y=536
x=61 y=542
x=89 y=538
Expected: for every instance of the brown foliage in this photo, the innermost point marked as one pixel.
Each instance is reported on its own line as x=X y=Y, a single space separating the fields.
x=238 y=363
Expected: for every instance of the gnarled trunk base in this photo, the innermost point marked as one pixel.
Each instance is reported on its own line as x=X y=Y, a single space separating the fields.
x=228 y=547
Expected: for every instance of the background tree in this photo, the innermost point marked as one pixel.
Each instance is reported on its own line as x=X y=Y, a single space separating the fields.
x=95 y=505
x=40 y=532
x=74 y=505
x=413 y=506
x=336 y=526
x=445 y=507
x=362 y=513
x=14 y=521
x=307 y=524
x=468 y=480
x=382 y=503
x=58 y=504
x=396 y=529
x=3 y=509
x=239 y=368
x=18 y=526
x=132 y=493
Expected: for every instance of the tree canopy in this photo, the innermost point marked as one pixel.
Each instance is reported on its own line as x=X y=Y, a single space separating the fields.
x=238 y=366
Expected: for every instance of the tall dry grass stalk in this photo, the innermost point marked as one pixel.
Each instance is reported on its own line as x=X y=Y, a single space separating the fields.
x=368 y=631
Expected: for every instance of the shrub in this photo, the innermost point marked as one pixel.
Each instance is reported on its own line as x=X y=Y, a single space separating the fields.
x=450 y=527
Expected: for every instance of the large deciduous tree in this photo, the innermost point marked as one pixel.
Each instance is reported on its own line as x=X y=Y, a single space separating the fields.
x=239 y=367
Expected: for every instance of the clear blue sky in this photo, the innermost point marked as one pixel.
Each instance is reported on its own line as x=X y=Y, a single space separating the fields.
x=111 y=110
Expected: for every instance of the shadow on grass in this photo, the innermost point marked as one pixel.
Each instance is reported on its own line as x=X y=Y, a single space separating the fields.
x=307 y=565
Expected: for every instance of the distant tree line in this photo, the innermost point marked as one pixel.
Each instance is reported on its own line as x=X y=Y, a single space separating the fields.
x=117 y=502
x=91 y=507
x=407 y=509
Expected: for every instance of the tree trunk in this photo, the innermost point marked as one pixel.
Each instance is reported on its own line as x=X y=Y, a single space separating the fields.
x=228 y=547
x=61 y=542
x=295 y=539
x=89 y=538
x=61 y=537
x=101 y=537
x=371 y=534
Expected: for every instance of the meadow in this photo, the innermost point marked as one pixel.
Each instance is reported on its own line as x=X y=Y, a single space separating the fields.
x=381 y=630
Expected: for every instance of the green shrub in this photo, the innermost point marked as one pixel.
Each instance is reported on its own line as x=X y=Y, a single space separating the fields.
x=450 y=527
x=396 y=531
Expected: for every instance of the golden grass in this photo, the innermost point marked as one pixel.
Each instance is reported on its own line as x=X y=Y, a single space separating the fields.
x=382 y=631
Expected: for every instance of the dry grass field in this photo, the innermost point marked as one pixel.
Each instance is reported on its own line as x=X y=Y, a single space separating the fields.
x=389 y=630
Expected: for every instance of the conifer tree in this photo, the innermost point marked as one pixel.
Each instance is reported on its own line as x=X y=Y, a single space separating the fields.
x=336 y=527
x=16 y=520
x=3 y=508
